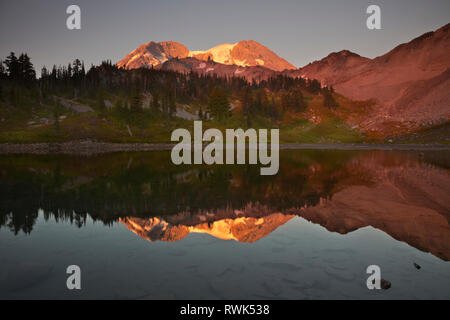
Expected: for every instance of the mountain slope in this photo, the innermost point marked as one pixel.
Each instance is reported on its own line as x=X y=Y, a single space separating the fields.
x=210 y=67
x=244 y=53
x=410 y=83
x=330 y=69
x=153 y=54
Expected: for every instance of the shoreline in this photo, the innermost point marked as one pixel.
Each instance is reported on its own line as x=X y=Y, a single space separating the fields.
x=90 y=147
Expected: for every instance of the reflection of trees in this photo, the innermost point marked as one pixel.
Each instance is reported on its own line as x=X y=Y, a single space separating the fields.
x=17 y=222
x=147 y=184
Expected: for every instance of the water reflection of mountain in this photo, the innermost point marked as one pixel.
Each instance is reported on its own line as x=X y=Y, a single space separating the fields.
x=240 y=228
x=401 y=193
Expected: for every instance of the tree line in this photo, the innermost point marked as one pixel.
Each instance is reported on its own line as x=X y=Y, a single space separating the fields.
x=17 y=68
x=163 y=89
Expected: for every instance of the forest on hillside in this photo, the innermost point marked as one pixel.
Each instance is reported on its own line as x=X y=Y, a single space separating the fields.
x=142 y=104
x=20 y=87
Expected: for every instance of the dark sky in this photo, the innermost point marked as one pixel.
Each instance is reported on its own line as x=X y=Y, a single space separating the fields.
x=299 y=31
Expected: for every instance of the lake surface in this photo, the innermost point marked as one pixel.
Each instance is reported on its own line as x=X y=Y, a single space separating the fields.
x=140 y=227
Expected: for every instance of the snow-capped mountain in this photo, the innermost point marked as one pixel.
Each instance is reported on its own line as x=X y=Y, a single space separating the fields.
x=242 y=229
x=409 y=85
x=153 y=54
x=244 y=53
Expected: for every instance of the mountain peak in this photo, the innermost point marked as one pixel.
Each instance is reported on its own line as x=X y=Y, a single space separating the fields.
x=254 y=53
x=343 y=53
x=245 y=53
x=153 y=54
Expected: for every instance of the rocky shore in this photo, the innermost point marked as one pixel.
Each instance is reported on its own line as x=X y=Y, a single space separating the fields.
x=92 y=147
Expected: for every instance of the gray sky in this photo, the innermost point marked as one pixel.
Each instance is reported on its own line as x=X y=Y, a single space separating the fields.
x=299 y=31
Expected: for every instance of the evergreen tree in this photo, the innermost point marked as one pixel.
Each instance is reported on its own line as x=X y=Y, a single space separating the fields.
x=297 y=101
x=69 y=71
x=26 y=69
x=12 y=66
x=2 y=70
x=293 y=101
x=285 y=101
x=218 y=105
x=155 y=105
x=328 y=99
x=246 y=99
x=261 y=101
x=77 y=68
x=172 y=107
x=44 y=72
x=136 y=101
x=274 y=110
x=314 y=86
